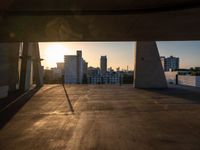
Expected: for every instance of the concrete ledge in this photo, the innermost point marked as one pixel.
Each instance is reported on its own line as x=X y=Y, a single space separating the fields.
x=3 y=91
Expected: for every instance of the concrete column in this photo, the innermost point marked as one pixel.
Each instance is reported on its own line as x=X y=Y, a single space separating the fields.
x=37 y=69
x=13 y=68
x=9 y=57
x=25 y=75
x=148 y=68
x=4 y=70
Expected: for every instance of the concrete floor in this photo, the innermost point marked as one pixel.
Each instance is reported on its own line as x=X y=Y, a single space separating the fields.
x=106 y=118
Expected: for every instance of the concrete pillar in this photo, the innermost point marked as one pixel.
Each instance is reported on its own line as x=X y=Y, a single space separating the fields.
x=37 y=69
x=9 y=67
x=30 y=66
x=148 y=68
x=4 y=70
x=9 y=57
x=13 y=68
x=25 y=75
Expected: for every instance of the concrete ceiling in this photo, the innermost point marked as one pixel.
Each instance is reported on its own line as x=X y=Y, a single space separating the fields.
x=90 y=20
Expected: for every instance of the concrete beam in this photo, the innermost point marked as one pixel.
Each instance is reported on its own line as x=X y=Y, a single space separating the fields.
x=160 y=26
x=125 y=20
x=148 y=69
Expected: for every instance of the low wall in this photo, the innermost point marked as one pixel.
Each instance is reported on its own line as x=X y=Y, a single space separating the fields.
x=189 y=80
x=171 y=77
x=182 y=79
x=198 y=81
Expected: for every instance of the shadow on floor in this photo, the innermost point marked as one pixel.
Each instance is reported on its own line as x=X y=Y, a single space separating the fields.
x=191 y=94
x=8 y=110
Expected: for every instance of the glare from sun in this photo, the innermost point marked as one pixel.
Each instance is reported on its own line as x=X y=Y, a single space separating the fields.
x=55 y=53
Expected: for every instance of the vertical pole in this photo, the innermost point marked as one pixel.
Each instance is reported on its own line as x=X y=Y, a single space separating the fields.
x=67 y=96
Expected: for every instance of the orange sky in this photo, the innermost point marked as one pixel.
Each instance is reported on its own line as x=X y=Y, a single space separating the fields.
x=119 y=54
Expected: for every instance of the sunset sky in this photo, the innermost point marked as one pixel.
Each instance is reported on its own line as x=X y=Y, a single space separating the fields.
x=119 y=54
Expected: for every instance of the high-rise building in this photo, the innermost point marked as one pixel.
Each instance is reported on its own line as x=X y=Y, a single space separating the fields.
x=70 y=71
x=170 y=63
x=103 y=65
x=74 y=68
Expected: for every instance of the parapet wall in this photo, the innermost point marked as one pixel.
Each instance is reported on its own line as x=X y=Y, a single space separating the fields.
x=189 y=80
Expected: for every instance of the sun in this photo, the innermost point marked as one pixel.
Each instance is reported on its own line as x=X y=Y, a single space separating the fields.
x=55 y=53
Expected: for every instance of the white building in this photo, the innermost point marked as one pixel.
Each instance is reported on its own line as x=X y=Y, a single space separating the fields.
x=74 y=68
x=170 y=63
x=108 y=78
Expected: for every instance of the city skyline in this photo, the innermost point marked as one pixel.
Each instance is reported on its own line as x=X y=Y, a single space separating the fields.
x=187 y=51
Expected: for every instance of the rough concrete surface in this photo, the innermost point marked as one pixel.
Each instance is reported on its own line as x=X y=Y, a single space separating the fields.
x=107 y=117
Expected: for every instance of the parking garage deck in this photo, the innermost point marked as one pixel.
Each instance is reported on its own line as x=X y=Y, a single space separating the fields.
x=106 y=117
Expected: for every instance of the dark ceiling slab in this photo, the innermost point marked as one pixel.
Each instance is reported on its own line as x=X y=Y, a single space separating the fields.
x=57 y=5
x=113 y=20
